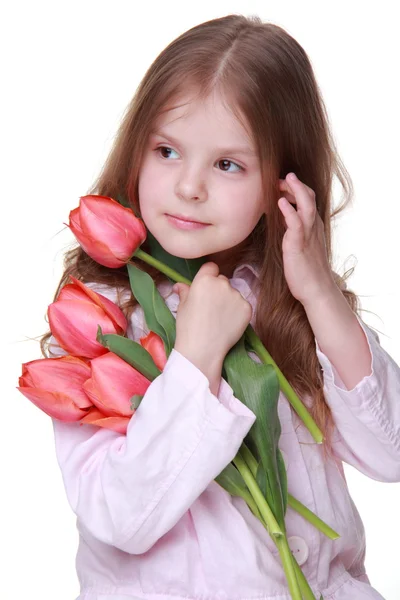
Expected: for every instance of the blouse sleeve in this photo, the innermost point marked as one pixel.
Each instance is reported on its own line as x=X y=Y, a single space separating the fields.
x=129 y=490
x=367 y=417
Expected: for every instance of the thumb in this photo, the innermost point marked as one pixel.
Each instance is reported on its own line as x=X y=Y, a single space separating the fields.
x=182 y=289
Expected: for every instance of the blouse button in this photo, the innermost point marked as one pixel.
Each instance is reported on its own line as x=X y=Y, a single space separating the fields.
x=299 y=548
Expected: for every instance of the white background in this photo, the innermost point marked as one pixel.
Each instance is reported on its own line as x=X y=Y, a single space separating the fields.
x=68 y=71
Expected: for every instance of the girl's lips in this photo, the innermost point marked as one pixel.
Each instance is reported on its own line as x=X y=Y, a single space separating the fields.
x=180 y=224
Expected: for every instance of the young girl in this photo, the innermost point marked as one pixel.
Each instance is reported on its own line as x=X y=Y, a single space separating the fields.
x=223 y=118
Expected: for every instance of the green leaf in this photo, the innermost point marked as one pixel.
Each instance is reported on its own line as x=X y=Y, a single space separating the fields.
x=131 y=352
x=232 y=481
x=283 y=478
x=257 y=386
x=263 y=481
x=135 y=401
x=157 y=315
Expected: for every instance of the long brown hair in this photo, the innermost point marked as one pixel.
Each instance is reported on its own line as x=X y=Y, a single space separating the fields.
x=267 y=78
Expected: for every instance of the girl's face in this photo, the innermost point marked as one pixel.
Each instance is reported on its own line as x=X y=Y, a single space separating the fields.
x=201 y=164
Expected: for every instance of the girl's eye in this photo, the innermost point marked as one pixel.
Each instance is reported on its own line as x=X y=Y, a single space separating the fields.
x=239 y=168
x=160 y=149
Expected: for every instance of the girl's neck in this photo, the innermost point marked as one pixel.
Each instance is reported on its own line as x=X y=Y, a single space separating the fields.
x=227 y=259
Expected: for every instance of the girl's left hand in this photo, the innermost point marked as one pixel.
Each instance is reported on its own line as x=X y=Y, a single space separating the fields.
x=306 y=266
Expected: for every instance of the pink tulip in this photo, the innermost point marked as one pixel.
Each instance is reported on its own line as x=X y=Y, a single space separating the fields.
x=55 y=385
x=111 y=387
x=154 y=344
x=75 y=315
x=107 y=231
x=97 y=418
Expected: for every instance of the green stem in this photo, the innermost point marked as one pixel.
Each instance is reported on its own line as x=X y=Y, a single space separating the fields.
x=302 y=581
x=292 y=501
x=266 y=513
x=249 y=458
x=162 y=267
x=255 y=344
x=285 y=386
x=253 y=506
x=272 y=526
x=312 y=518
x=290 y=571
x=305 y=589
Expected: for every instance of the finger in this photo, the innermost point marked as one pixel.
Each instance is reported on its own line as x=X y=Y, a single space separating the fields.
x=182 y=289
x=288 y=181
x=207 y=268
x=293 y=222
x=305 y=201
x=289 y=195
x=176 y=288
x=210 y=268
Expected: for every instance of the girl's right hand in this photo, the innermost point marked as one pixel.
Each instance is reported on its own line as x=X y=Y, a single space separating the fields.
x=211 y=316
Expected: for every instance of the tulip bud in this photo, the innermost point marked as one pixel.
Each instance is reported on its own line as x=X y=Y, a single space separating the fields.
x=95 y=417
x=154 y=344
x=107 y=231
x=55 y=385
x=112 y=385
x=75 y=316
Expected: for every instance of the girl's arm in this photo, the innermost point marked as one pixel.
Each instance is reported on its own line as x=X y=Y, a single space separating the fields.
x=367 y=416
x=129 y=491
x=339 y=335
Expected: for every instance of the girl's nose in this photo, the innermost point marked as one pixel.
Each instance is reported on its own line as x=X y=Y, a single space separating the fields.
x=191 y=185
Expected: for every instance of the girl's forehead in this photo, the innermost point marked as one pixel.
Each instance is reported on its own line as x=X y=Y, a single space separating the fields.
x=214 y=107
x=194 y=99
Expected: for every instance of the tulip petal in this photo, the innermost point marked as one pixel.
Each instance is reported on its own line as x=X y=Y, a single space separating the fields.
x=95 y=417
x=63 y=375
x=106 y=411
x=101 y=227
x=109 y=307
x=154 y=345
x=107 y=231
x=118 y=216
x=72 y=292
x=113 y=383
x=57 y=405
x=90 y=391
x=103 y=218
x=94 y=248
x=75 y=220
x=74 y=324
x=98 y=251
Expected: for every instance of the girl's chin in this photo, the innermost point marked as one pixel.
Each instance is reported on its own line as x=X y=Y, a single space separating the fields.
x=188 y=250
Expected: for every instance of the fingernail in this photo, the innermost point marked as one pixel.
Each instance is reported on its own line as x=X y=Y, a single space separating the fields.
x=292 y=176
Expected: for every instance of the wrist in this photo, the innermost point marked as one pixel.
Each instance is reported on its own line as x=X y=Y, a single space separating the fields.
x=323 y=294
x=210 y=366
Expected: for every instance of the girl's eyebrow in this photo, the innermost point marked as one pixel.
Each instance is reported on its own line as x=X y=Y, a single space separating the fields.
x=222 y=150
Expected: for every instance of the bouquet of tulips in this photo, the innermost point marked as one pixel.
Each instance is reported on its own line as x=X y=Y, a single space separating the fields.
x=104 y=375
